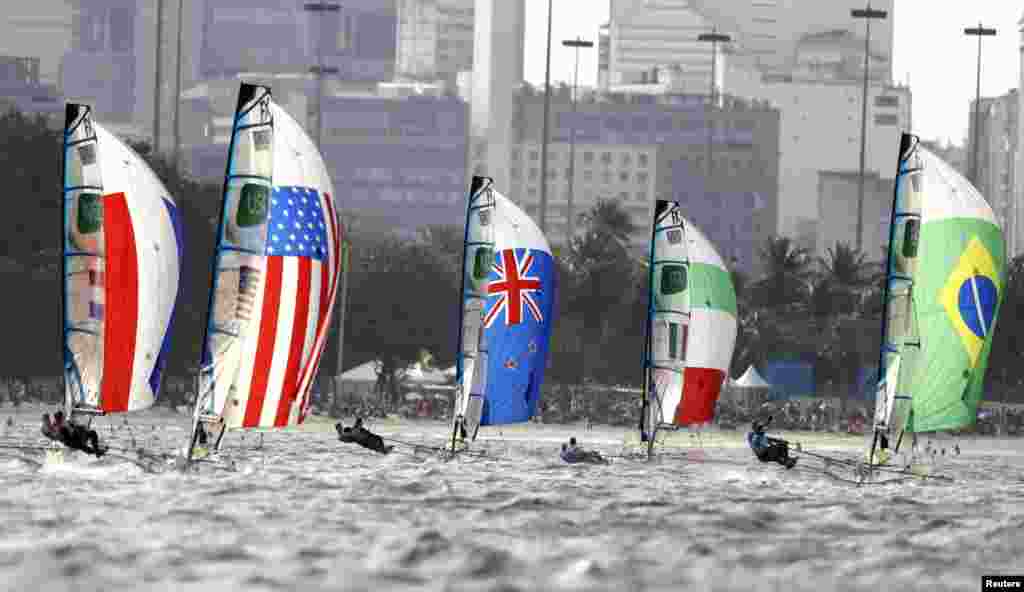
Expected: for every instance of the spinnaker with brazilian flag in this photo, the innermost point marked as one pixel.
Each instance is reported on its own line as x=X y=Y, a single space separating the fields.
x=945 y=278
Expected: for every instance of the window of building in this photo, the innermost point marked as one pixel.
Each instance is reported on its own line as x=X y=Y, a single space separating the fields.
x=606 y=157
x=588 y=175
x=532 y=192
x=623 y=196
x=534 y=155
x=534 y=173
x=515 y=155
x=641 y=160
x=515 y=172
x=627 y=160
x=887 y=101
x=623 y=177
x=588 y=157
x=641 y=178
x=641 y=196
x=552 y=174
x=122 y=26
x=887 y=119
x=606 y=177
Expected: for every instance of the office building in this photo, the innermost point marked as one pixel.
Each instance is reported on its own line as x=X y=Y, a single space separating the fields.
x=635 y=149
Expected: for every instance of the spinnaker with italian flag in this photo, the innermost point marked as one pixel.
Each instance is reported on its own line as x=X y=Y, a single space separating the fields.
x=690 y=328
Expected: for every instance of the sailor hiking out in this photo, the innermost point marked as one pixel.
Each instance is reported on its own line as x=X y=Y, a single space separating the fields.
x=357 y=434
x=71 y=434
x=769 y=449
x=574 y=453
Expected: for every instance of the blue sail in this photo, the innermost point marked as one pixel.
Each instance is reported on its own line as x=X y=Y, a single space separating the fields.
x=517 y=328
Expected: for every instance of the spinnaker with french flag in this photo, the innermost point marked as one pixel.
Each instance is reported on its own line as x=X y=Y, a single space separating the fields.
x=691 y=325
x=121 y=269
x=276 y=269
x=507 y=305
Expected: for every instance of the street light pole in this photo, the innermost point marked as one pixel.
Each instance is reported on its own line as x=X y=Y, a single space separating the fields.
x=867 y=13
x=576 y=44
x=544 y=140
x=714 y=37
x=342 y=293
x=980 y=32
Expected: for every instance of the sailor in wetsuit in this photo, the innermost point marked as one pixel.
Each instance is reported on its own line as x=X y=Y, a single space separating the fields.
x=769 y=449
x=71 y=434
x=573 y=453
x=357 y=434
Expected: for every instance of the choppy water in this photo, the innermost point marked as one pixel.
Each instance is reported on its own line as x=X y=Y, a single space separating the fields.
x=307 y=512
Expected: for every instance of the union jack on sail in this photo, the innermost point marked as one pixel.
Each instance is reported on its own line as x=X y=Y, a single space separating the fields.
x=515 y=288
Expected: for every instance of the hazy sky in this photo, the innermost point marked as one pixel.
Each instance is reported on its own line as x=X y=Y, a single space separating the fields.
x=930 y=48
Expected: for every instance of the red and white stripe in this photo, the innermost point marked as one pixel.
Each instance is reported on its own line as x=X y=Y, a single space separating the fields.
x=120 y=285
x=286 y=336
x=336 y=236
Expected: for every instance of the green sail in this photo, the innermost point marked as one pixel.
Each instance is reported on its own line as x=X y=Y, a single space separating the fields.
x=945 y=281
x=957 y=297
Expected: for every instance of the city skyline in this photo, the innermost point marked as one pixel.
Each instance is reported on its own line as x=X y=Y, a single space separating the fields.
x=939 y=58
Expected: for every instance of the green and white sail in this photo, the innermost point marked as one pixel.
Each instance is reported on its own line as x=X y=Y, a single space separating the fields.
x=691 y=324
x=945 y=279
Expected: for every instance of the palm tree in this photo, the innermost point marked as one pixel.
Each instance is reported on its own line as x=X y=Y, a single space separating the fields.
x=599 y=266
x=609 y=220
x=840 y=284
x=785 y=282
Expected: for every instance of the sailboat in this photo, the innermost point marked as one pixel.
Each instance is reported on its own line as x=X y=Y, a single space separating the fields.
x=945 y=280
x=690 y=328
x=121 y=270
x=275 y=276
x=506 y=309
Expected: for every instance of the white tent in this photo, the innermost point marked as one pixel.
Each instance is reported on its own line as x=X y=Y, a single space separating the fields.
x=420 y=375
x=365 y=372
x=751 y=379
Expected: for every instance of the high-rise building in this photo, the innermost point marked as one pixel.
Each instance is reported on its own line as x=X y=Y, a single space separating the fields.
x=398 y=163
x=820 y=100
x=40 y=30
x=435 y=39
x=498 y=30
x=634 y=149
x=604 y=54
x=645 y=35
x=769 y=31
x=1018 y=222
x=21 y=89
x=997 y=144
x=124 y=60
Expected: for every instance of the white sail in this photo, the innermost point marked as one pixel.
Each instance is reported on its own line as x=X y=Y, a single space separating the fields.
x=122 y=270
x=276 y=272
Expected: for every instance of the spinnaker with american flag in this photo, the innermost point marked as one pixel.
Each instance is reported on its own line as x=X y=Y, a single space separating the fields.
x=275 y=276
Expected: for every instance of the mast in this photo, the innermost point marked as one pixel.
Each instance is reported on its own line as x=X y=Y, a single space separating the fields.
x=907 y=144
x=461 y=403
x=247 y=94
x=70 y=113
x=647 y=342
x=79 y=134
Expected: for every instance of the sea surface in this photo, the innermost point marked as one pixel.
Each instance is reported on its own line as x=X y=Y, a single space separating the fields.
x=306 y=512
